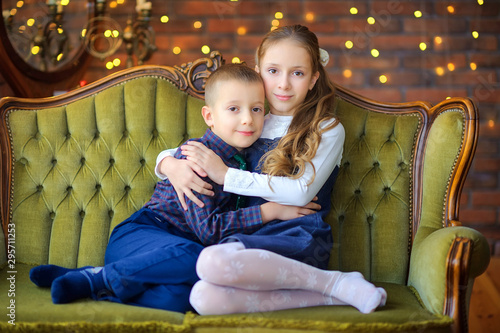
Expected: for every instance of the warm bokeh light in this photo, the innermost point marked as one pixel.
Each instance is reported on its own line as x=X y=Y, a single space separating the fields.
x=64 y=2
x=475 y=34
x=59 y=56
x=35 y=50
x=113 y=4
x=382 y=78
x=120 y=2
x=109 y=65
x=60 y=31
x=480 y=2
x=236 y=60
x=370 y=20
x=347 y=73
x=205 y=49
x=375 y=53
x=473 y=66
x=491 y=123
x=349 y=44
x=164 y=19
x=278 y=15
x=242 y=31
x=176 y=50
x=310 y=17
x=84 y=32
x=275 y=23
x=417 y=14
x=450 y=9
x=440 y=71
x=107 y=33
x=438 y=40
x=13 y=11
x=197 y=24
x=20 y=4
x=116 y=62
x=422 y=46
x=451 y=67
x=116 y=33
x=353 y=10
x=30 y=22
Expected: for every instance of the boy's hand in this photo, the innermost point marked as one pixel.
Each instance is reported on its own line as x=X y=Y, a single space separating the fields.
x=273 y=211
x=206 y=159
x=185 y=178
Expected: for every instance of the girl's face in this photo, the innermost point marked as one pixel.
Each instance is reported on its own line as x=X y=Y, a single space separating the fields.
x=287 y=73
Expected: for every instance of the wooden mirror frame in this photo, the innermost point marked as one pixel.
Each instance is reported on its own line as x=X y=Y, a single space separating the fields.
x=27 y=81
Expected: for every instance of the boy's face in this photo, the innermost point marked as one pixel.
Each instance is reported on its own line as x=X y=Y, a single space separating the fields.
x=237 y=116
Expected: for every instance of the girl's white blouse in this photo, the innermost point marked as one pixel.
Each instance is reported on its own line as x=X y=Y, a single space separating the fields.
x=286 y=191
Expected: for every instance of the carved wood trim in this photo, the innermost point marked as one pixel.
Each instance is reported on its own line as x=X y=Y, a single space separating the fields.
x=457 y=264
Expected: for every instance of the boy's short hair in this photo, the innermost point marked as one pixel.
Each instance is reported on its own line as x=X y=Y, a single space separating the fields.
x=240 y=72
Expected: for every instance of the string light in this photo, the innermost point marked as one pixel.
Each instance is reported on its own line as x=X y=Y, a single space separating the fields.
x=347 y=73
x=440 y=71
x=113 y=4
x=197 y=25
x=242 y=31
x=205 y=49
x=59 y=56
x=109 y=65
x=450 y=9
x=438 y=40
x=35 y=50
x=20 y=4
x=480 y=2
x=30 y=22
x=418 y=14
x=370 y=20
x=375 y=53
x=382 y=78
x=236 y=60
x=176 y=50
x=116 y=62
x=422 y=46
x=475 y=34
x=275 y=23
x=353 y=10
x=278 y=15
x=310 y=17
x=491 y=123
x=349 y=44
x=451 y=67
x=473 y=66
x=164 y=19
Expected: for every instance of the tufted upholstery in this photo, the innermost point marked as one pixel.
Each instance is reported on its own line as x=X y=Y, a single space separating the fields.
x=75 y=166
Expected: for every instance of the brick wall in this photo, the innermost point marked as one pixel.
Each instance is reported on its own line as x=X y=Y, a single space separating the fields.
x=454 y=62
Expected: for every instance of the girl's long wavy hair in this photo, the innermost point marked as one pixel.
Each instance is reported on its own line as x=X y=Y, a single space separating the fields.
x=299 y=145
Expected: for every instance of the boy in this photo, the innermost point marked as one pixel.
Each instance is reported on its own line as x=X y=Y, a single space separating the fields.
x=151 y=257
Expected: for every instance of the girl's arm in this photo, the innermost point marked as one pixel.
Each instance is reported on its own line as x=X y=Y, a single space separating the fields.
x=184 y=175
x=288 y=191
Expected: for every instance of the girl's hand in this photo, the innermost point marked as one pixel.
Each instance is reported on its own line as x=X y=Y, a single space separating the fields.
x=274 y=211
x=206 y=159
x=185 y=178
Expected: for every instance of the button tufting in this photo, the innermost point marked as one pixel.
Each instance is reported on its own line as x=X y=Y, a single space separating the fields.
x=54 y=161
x=111 y=213
x=357 y=191
x=82 y=214
x=155 y=133
x=39 y=188
x=23 y=161
x=376 y=164
x=143 y=161
x=111 y=161
x=52 y=215
x=69 y=189
x=127 y=188
x=98 y=187
x=369 y=219
x=82 y=160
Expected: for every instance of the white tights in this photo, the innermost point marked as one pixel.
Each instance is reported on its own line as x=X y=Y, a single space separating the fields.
x=235 y=279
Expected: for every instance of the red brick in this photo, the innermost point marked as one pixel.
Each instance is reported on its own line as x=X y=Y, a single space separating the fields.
x=231 y=25
x=481 y=180
x=468 y=78
x=468 y=8
x=333 y=42
x=398 y=42
x=360 y=25
x=434 y=26
x=429 y=60
x=464 y=199
x=357 y=79
x=486 y=59
x=478 y=216
x=188 y=42
x=205 y=8
x=399 y=79
x=487 y=164
x=177 y=25
x=401 y=8
x=490 y=130
x=390 y=95
x=248 y=43
x=466 y=43
x=486 y=198
x=352 y=59
x=260 y=8
x=336 y=8
x=433 y=95
x=485 y=25
x=487 y=145
x=322 y=28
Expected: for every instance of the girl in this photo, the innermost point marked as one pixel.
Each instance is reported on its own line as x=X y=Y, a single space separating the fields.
x=257 y=272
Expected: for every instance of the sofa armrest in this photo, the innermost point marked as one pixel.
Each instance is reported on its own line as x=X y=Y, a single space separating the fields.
x=434 y=257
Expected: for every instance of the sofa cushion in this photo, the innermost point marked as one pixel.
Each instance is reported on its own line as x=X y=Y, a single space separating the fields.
x=33 y=304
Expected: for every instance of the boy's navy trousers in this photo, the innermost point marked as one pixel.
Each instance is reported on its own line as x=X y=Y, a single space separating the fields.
x=150 y=263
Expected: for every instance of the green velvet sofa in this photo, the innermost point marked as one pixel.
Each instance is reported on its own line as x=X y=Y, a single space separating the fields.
x=76 y=165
